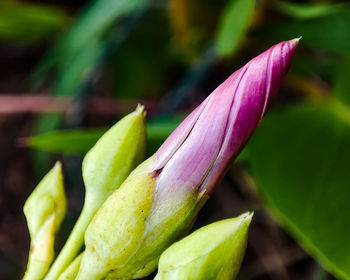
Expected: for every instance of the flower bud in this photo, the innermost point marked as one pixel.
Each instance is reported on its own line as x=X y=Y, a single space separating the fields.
x=182 y=174
x=44 y=209
x=105 y=167
x=213 y=252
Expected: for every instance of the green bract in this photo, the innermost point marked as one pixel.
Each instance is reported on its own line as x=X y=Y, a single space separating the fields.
x=105 y=167
x=44 y=209
x=214 y=252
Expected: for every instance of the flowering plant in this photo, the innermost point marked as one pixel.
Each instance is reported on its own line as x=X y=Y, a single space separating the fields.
x=131 y=216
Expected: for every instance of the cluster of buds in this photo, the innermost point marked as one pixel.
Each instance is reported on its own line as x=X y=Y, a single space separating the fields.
x=158 y=202
x=105 y=167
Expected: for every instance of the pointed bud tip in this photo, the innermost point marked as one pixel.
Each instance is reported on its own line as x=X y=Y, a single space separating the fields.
x=247 y=217
x=140 y=109
x=294 y=42
x=58 y=165
x=242 y=220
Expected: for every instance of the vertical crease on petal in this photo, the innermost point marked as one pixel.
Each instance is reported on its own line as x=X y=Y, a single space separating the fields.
x=177 y=137
x=236 y=100
x=254 y=91
x=268 y=79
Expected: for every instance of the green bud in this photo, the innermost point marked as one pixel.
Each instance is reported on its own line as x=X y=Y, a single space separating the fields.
x=72 y=270
x=131 y=229
x=105 y=167
x=44 y=209
x=115 y=232
x=114 y=156
x=213 y=252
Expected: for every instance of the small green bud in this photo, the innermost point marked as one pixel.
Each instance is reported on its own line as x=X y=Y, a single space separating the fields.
x=105 y=167
x=44 y=209
x=115 y=155
x=213 y=252
x=72 y=270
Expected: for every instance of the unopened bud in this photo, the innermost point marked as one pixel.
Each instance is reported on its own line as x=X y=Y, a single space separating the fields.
x=182 y=174
x=212 y=252
x=44 y=209
x=105 y=167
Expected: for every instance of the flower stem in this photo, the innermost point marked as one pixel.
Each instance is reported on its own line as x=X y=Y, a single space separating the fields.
x=74 y=242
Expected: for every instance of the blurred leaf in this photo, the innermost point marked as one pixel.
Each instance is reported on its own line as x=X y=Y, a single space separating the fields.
x=21 y=21
x=80 y=69
x=79 y=52
x=300 y=160
x=79 y=141
x=94 y=21
x=328 y=32
x=87 y=35
x=308 y=11
x=233 y=24
x=45 y=124
x=158 y=131
x=341 y=88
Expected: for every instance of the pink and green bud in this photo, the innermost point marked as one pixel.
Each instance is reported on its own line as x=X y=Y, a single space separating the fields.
x=206 y=142
x=215 y=251
x=129 y=232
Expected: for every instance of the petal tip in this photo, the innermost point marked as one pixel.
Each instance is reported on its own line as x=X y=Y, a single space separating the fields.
x=294 y=42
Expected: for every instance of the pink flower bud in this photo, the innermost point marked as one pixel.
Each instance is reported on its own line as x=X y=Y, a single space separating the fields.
x=160 y=199
x=200 y=150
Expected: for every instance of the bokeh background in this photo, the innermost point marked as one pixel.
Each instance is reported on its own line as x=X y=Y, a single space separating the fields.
x=70 y=69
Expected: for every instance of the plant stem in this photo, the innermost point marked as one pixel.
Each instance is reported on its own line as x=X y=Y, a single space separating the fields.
x=74 y=242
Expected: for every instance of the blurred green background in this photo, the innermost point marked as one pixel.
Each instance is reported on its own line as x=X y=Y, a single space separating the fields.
x=70 y=69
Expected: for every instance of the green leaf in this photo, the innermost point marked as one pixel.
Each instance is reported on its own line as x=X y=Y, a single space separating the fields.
x=82 y=49
x=341 y=88
x=21 y=21
x=79 y=141
x=307 y=11
x=233 y=24
x=80 y=69
x=300 y=160
x=86 y=35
